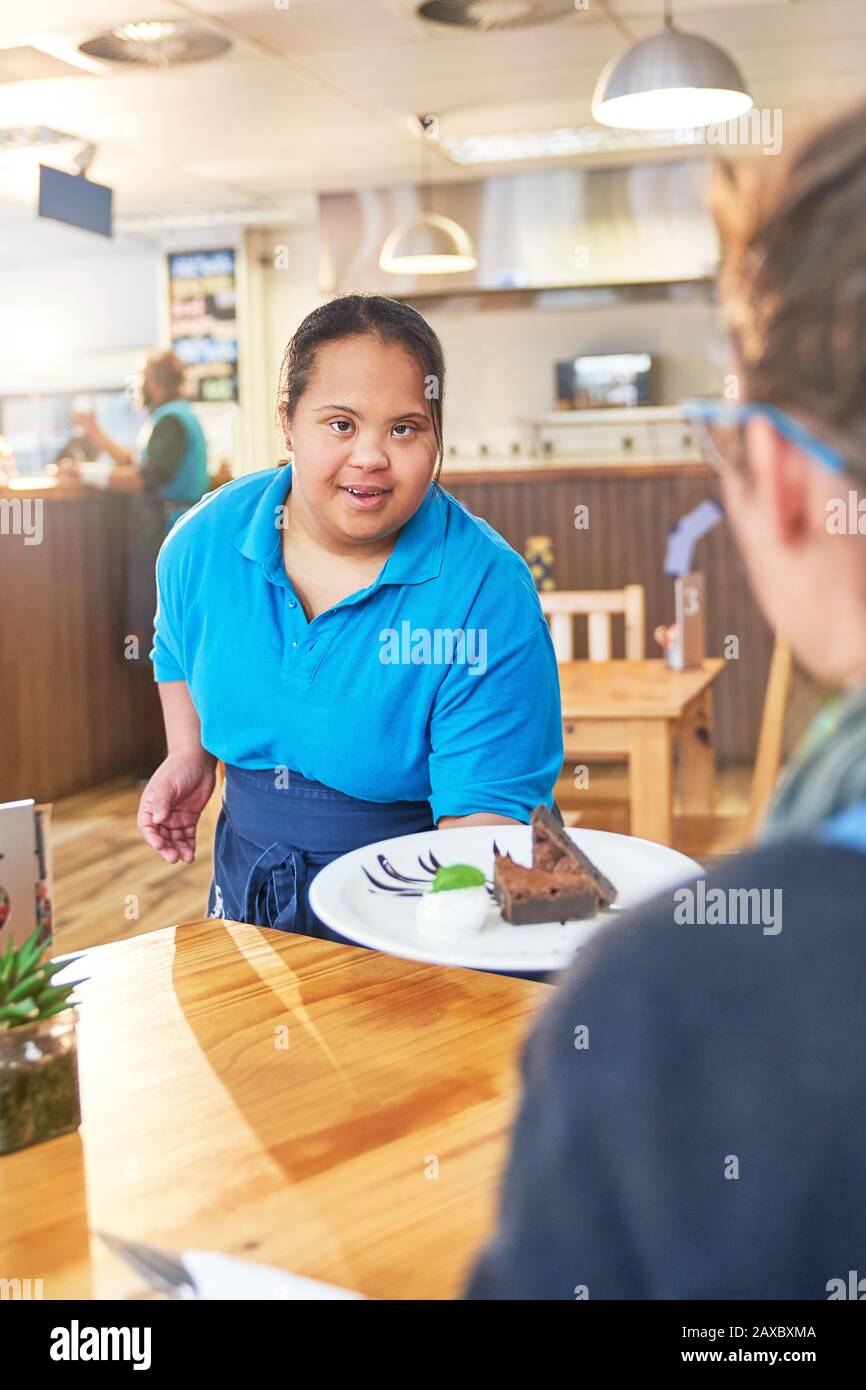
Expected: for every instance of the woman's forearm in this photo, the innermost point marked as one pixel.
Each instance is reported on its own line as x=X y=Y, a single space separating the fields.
x=182 y=724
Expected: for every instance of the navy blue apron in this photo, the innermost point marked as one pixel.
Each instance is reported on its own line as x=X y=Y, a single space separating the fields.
x=271 y=841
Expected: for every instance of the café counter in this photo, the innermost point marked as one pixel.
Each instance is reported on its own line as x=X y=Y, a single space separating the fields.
x=75 y=712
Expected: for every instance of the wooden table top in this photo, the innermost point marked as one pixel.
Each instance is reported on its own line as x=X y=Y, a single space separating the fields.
x=322 y=1108
x=631 y=689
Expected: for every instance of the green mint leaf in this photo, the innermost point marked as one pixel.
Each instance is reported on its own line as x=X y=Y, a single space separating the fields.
x=457 y=876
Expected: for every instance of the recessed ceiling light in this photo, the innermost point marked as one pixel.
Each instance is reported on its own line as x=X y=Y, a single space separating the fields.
x=147 y=31
x=25 y=137
x=156 y=43
x=560 y=143
x=493 y=14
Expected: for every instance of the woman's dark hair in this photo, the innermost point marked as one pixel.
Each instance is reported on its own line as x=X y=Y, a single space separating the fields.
x=353 y=315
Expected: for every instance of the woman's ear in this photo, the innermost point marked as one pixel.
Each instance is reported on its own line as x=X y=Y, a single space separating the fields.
x=285 y=424
x=781 y=475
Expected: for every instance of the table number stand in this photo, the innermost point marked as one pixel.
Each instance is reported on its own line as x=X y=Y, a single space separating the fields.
x=688 y=645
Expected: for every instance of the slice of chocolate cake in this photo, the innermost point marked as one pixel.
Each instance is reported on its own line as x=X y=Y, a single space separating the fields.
x=554 y=850
x=532 y=895
x=562 y=885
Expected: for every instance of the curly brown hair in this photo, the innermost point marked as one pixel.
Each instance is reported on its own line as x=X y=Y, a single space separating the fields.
x=793 y=279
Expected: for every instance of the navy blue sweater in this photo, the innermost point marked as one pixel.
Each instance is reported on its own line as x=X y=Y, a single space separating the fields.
x=710 y=1140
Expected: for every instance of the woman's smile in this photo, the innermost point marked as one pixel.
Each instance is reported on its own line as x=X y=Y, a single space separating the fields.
x=365 y=496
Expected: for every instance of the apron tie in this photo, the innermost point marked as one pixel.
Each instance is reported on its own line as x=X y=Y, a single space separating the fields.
x=277 y=886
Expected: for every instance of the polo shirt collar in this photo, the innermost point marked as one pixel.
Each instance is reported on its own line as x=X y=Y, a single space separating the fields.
x=259 y=539
x=416 y=557
x=420 y=547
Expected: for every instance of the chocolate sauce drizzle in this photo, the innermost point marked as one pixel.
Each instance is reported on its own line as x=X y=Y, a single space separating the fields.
x=402 y=886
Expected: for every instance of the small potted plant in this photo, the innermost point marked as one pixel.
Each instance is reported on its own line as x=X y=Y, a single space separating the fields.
x=38 y=1054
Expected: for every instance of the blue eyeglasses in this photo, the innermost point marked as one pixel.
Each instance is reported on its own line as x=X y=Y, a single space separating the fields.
x=713 y=419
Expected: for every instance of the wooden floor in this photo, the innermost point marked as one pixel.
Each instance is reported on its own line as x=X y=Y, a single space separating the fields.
x=109 y=885
x=603 y=805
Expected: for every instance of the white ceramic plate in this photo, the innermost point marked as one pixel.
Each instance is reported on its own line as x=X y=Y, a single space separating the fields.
x=343 y=896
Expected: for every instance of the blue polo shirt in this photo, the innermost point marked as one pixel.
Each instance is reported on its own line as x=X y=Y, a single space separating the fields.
x=436 y=682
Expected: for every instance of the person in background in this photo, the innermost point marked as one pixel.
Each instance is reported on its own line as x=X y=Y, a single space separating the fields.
x=77 y=449
x=168 y=476
x=693 y=1121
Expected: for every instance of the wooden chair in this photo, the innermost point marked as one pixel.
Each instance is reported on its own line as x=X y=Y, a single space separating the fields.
x=768 y=757
x=697 y=835
x=599 y=606
x=562 y=606
x=704 y=837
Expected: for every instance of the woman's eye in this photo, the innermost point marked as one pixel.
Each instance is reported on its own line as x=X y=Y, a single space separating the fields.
x=410 y=429
x=335 y=425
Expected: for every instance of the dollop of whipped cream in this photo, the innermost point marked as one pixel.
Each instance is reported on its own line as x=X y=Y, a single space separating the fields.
x=446 y=916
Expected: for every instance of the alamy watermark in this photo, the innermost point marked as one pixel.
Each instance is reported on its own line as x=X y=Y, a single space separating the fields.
x=762 y=126
x=84 y=1343
x=22 y=516
x=729 y=907
x=21 y=1288
x=853 y=1287
x=846 y=516
x=437 y=646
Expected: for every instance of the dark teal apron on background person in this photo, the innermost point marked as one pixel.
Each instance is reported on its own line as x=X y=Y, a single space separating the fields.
x=150 y=517
x=190 y=482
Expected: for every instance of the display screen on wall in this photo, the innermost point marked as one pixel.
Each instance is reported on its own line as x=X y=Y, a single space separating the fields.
x=611 y=379
x=201 y=286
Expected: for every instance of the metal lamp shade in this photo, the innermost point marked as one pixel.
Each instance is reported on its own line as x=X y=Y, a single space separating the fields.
x=669 y=81
x=428 y=245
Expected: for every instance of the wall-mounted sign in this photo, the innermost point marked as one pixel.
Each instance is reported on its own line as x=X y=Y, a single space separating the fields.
x=201 y=287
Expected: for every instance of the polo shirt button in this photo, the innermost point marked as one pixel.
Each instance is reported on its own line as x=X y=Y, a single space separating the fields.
x=293 y=603
x=294 y=644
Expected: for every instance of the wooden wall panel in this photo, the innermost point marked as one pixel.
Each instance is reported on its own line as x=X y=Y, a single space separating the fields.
x=73 y=711
x=629 y=519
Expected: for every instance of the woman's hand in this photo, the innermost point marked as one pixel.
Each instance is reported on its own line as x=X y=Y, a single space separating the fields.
x=172 y=802
x=85 y=420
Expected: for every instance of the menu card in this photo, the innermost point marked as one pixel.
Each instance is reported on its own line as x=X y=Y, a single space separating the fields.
x=25 y=870
x=204 y=331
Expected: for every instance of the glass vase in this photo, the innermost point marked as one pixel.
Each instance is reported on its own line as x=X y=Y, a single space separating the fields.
x=39 y=1097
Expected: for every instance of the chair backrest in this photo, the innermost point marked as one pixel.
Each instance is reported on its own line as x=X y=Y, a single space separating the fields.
x=768 y=757
x=562 y=606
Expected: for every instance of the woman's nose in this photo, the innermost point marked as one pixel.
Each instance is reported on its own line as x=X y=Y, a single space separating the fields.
x=369 y=452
